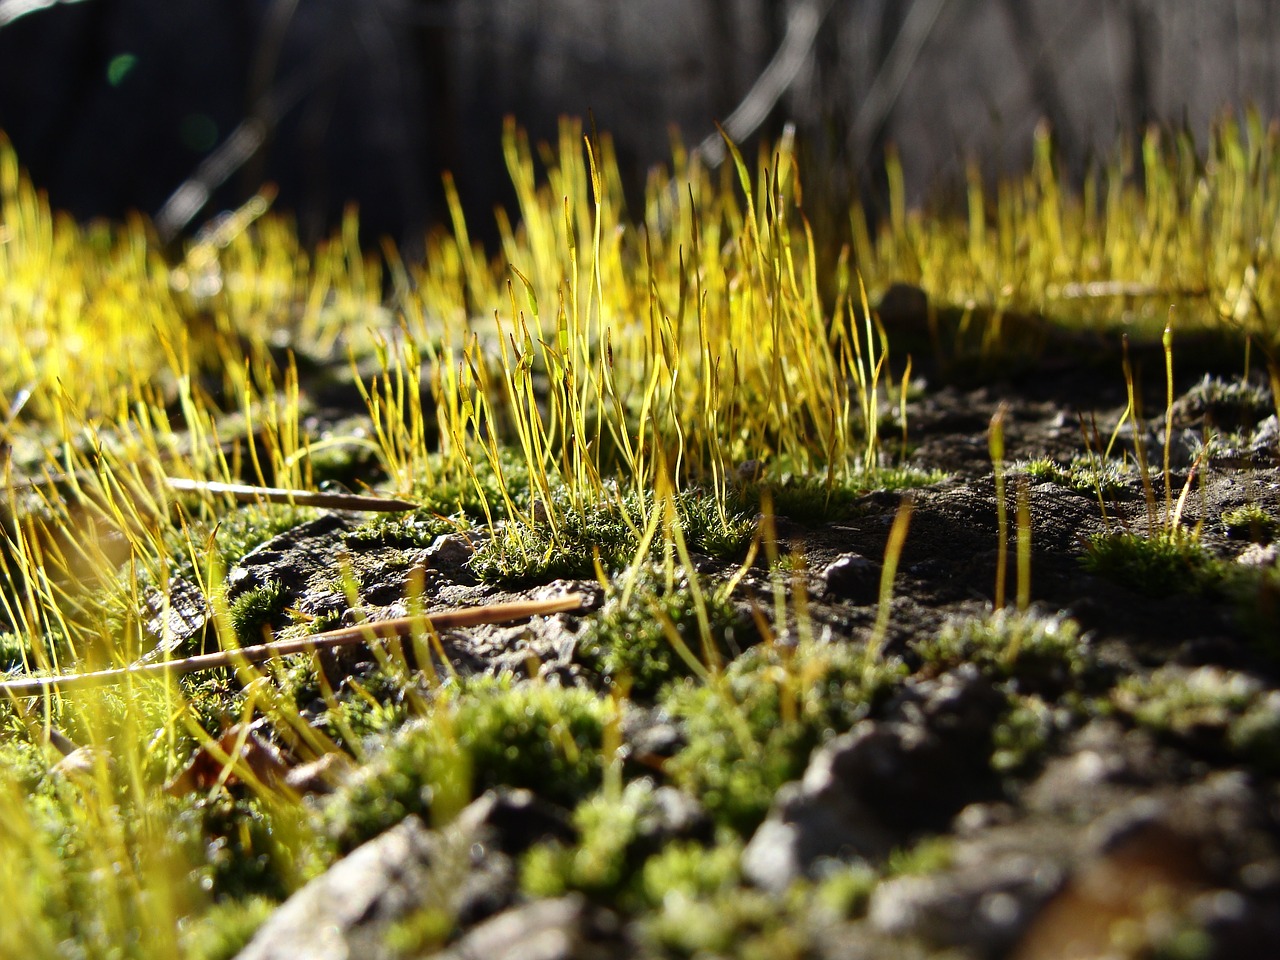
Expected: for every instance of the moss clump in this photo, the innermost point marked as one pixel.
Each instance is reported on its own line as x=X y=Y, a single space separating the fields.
x=738 y=922
x=1082 y=474
x=810 y=498
x=239 y=848
x=534 y=552
x=929 y=855
x=369 y=701
x=1209 y=708
x=1250 y=522
x=1022 y=735
x=631 y=643
x=224 y=931
x=253 y=611
x=1225 y=404
x=691 y=870
x=753 y=728
x=845 y=892
x=480 y=735
x=416 y=529
x=1159 y=565
x=17 y=650
x=522 y=554
x=618 y=834
x=1039 y=650
x=13 y=651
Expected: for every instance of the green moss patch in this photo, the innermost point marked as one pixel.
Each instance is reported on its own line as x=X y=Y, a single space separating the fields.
x=1162 y=564
x=753 y=728
x=482 y=734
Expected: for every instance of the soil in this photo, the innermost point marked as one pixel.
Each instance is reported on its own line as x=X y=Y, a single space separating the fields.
x=1120 y=817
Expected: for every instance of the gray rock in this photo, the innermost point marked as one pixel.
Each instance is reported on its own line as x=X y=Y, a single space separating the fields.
x=563 y=929
x=985 y=905
x=465 y=870
x=813 y=822
x=451 y=551
x=513 y=820
x=1102 y=767
x=177 y=620
x=872 y=789
x=345 y=911
x=290 y=558
x=851 y=577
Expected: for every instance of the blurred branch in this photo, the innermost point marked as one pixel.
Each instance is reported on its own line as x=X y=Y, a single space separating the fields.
x=803 y=22
x=892 y=75
x=244 y=142
x=11 y=10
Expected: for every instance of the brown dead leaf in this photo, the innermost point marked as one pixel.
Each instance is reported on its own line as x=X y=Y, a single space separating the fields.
x=1116 y=905
x=238 y=749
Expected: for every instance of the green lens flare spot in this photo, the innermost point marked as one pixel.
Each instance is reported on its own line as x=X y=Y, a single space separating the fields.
x=119 y=67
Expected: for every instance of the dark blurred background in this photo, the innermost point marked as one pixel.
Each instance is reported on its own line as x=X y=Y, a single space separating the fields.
x=114 y=104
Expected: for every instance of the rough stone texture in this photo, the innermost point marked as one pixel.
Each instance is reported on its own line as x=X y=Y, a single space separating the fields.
x=872 y=789
x=564 y=929
x=345 y=911
x=467 y=870
x=985 y=903
x=292 y=557
x=176 y=621
x=851 y=577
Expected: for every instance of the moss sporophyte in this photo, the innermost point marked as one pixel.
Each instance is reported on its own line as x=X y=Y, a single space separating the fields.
x=651 y=405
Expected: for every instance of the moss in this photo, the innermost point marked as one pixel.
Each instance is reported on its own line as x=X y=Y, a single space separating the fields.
x=846 y=891
x=608 y=531
x=85 y=845
x=13 y=651
x=631 y=644
x=1040 y=650
x=692 y=870
x=369 y=701
x=22 y=763
x=521 y=555
x=1250 y=522
x=415 y=529
x=1082 y=474
x=612 y=847
x=481 y=735
x=239 y=847
x=1254 y=737
x=739 y=922
x=1225 y=404
x=1208 y=708
x=926 y=856
x=17 y=649
x=1022 y=736
x=753 y=728
x=253 y=611
x=1158 y=566
x=224 y=930
x=809 y=498
x=420 y=934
